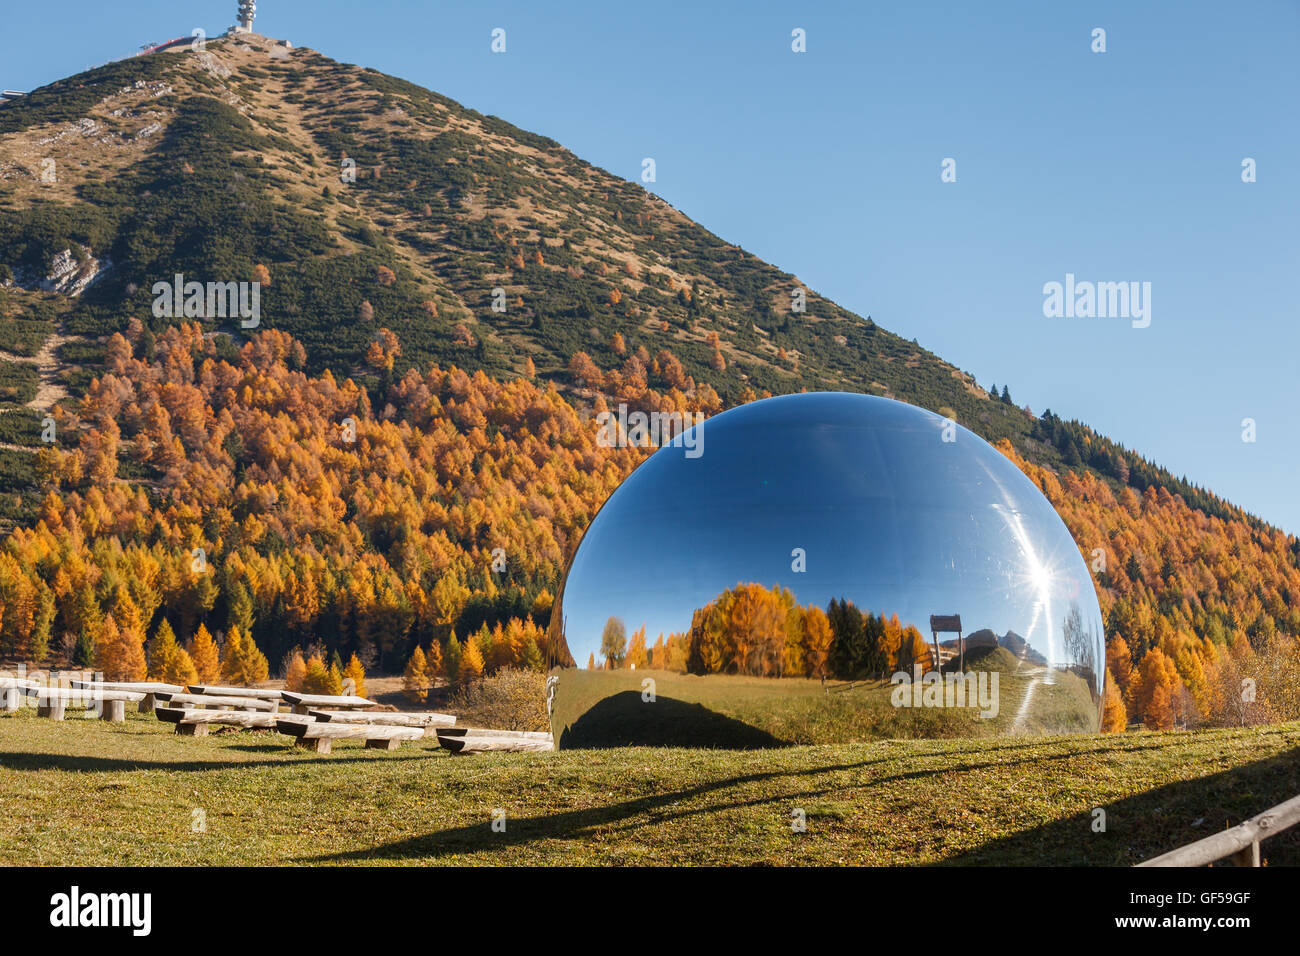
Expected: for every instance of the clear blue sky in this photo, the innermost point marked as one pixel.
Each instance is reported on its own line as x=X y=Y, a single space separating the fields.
x=1117 y=166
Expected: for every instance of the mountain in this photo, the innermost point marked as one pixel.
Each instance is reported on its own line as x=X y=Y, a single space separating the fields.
x=212 y=164
x=416 y=393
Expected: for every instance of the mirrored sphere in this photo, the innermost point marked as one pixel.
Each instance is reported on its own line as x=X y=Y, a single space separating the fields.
x=822 y=568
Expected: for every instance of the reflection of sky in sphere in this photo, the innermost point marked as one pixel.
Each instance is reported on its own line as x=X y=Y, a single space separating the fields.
x=888 y=514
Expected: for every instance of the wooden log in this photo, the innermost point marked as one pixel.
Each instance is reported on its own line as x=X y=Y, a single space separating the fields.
x=488 y=732
x=1247 y=856
x=316 y=729
x=196 y=717
x=149 y=703
x=320 y=745
x=13 y=698
x=263 y=693
x=137 y=687
x=193 y=730
x=113 y=711
x=213 y=700
x=51 y=707
x=291 y=724
x=230 y=718
x=400 y=719
x=17 y=683
x=1236 y=842
x=473 y=743
x=325 y=700
x=387 y=743
x=84 y=697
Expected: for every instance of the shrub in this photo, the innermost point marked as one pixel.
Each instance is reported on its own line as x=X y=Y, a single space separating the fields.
x=510 y=699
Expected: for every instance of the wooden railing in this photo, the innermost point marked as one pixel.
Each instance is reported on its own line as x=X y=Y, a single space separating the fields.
x=1241 y=842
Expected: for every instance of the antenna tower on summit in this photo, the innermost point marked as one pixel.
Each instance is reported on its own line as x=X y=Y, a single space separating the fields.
x=247 y=13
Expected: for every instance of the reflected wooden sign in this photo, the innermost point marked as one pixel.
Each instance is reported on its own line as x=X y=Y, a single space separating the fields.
x=945 y=622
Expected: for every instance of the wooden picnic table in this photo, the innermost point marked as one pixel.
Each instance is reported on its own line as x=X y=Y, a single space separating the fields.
x=304 y=702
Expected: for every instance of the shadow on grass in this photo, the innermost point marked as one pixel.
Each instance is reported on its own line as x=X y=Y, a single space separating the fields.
x=625 y=720
x=1156 y=821
x=1262 y=782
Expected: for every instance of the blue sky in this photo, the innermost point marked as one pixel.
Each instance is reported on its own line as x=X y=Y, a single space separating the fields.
x=1115 y=166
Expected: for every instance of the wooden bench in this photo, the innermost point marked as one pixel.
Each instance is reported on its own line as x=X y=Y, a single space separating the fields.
x=399 y=719
x=51 y=702
x=213 y=700
x=463 y=740
x=302 y=703
x=151 y=689
x=318 y=735
x=262 y=693
x=194 y=722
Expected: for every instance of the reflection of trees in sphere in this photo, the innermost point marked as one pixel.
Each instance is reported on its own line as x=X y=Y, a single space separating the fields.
x=820 y=568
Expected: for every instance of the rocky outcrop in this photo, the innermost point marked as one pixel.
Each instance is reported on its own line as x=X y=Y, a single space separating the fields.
x=67 y=276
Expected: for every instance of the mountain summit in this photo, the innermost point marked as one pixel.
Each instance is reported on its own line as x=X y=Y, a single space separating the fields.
x=358 y=201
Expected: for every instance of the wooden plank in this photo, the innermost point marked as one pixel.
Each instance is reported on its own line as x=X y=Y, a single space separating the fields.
x=195 y=716
x=486 y=732
x=399 y=719
x=265 y=693
x=362 y=731
x=473 y=743
x=212 y=700
x=1236 y=840
x=325 y=700
x=16 y=683
x=316 y=729
x=74 y=696
x=230 y=718
x=137 y=687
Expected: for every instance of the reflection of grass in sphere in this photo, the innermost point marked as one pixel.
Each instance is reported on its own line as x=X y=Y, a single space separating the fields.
x=766 y=711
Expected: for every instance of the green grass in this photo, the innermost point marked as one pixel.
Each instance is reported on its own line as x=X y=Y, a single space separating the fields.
x=87 y=792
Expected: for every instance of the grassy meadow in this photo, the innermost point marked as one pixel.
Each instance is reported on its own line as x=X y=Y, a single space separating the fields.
x=88 y=792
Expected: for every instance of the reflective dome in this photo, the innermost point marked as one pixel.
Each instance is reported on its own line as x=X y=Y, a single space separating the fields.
x=820 y=568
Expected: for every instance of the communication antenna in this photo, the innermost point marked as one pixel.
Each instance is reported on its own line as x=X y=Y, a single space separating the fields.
x=247 y=13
